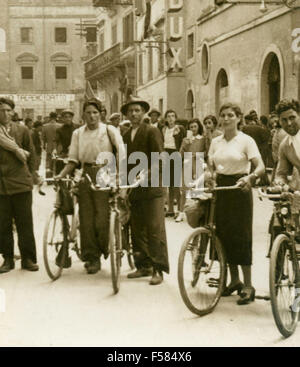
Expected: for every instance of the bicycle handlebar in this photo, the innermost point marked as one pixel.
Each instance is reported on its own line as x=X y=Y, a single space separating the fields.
x=97 y=188
x=52 y=180
x=217 y=188
x=263 y=194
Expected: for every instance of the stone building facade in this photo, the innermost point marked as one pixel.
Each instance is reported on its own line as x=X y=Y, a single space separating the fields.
x=242 y=53
x=46 y=49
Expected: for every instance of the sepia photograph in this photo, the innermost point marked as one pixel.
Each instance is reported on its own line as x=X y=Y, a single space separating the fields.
x=149 y=176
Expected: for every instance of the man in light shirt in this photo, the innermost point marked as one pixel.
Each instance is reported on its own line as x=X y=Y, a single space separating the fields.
x=289 y=150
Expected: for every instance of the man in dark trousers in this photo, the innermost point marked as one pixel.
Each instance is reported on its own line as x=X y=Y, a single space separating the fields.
x=147 y=210
x=16 y=183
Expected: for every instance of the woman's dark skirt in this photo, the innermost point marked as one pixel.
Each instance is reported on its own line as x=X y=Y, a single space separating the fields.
x=234 y=213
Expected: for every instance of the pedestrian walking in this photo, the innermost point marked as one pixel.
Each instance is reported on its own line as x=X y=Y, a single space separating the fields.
x=87 y=143
x=230 y=156
x=173 y=136
x=115 y=120
x=211 y=130
x=37 y=143
x=147 y=203
x=261 y=136
x=49 y=139
x=193 y=143
x=16 y=185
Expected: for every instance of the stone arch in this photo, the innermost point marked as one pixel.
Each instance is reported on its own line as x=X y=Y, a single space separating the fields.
x=271 y=79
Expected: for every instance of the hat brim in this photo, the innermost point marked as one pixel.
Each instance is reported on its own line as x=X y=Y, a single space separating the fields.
x=144 y=104
x=151 y=112
x=67 y=113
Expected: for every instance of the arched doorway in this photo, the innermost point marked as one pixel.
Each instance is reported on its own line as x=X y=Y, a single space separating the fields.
x=190 y=105
x=115 y=103
x=222 y=89
x=270 y=84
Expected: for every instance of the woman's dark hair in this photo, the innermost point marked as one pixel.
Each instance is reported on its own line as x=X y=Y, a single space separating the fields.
x=198 y=122
x=212 y=118
x=171 y=111
x=287 y=104
x=234 y=107
x=92 y=102
x=8 y=101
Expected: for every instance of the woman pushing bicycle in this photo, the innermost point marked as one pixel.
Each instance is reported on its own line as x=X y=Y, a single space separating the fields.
x=230 y=158
x=87 y=143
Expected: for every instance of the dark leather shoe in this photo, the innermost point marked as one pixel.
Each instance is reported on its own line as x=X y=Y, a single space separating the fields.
x=247 y=296
x=28 y=264
x=157 y=277
x=229 y=290
x=92 y=267
x=139 y=273
x=7 y=265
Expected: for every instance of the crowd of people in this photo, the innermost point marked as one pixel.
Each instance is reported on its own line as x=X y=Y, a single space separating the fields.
x=236 y=147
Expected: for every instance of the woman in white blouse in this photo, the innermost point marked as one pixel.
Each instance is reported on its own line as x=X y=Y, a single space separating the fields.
x=230 y=157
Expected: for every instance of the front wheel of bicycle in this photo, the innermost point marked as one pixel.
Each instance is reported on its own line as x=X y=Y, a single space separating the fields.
x=282 y=282
x=115 y=250
x=201 y=271
x=55 y=242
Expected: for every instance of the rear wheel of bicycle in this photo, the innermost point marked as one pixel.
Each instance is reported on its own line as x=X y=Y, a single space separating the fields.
x=55 y=244
x=201 y=271
x=282 y=279
x=115 y=250
x=75 y=232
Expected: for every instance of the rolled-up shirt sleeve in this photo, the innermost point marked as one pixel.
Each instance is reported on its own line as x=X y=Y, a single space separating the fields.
x=284 y=168
x=74 y=148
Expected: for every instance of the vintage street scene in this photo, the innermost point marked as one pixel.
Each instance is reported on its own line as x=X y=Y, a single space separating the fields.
x=149 y=174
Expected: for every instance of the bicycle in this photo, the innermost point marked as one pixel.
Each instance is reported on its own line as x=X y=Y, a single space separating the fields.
x=284 y=271
x=59 y=232
x=117 y=232
x=202 y=274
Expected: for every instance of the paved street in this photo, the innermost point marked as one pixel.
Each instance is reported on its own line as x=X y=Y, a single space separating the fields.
x=80 y=309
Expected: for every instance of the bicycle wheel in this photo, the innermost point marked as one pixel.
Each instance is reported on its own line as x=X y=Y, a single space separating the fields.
x=283 y=286
x=201 y=271
x=127 y=244
x=55 y=244
x=75 y=232
x=115 y=250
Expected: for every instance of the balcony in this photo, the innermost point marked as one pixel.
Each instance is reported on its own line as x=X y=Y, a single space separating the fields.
x=103 y=62
x=111 y=3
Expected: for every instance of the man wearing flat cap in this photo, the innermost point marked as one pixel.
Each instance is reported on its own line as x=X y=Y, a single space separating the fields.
x=115 y=120
x=64 y=136
x=16 y=183
x=147 y=203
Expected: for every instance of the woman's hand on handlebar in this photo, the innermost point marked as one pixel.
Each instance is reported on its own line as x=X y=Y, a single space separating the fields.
x=245 y=183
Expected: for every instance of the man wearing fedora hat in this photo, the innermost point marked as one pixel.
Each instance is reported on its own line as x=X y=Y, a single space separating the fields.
x=154 y=115
x=147 y=203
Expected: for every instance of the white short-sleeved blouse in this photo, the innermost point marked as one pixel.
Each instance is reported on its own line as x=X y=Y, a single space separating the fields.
x=233 y=157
